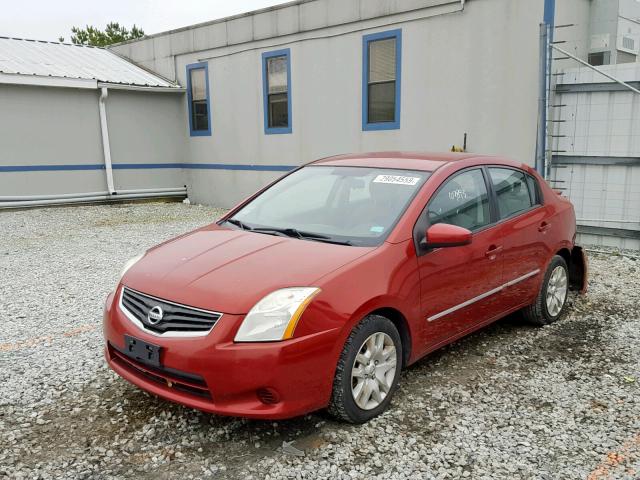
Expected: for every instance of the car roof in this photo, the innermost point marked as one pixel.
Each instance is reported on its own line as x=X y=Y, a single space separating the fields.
x=401 y=160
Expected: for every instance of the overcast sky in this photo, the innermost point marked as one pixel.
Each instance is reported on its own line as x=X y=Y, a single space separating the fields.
x=49 y=19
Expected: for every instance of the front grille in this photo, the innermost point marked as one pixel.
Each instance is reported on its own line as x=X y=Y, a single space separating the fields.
x=180 y=319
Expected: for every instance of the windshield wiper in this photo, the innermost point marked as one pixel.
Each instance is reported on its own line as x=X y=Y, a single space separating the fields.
x=331 y=240
x=290 y=232
x=294 y=233
x=238 y=223
x=287 y=232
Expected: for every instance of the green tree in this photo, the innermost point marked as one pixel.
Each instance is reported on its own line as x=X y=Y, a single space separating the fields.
x=113 y=33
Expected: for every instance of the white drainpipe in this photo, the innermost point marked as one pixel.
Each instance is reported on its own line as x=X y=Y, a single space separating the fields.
x=106 y=197
x=63 y=196
x=104 y=93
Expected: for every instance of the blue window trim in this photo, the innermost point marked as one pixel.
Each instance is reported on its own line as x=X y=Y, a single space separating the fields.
x=265 y=91
x=366 y=126
x=205 y=67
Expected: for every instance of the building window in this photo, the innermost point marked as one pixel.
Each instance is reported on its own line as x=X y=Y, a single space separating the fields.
x=381 y=79
x=628 y=43
x=600 y=58
x=198 y=97
x=276 y=75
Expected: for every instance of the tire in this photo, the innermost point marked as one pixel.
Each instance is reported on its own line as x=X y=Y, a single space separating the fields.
x=541 y=312
x=363 y=345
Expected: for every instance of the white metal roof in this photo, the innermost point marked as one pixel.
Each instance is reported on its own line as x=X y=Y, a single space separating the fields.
x=28 y=61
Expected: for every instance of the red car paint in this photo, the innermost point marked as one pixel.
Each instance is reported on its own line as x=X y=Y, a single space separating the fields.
x=230 y=270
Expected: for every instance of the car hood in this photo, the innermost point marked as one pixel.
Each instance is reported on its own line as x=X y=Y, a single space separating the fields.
x=229 y=271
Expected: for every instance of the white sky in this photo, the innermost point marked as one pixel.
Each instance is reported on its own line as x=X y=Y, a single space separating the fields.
x=49 y=19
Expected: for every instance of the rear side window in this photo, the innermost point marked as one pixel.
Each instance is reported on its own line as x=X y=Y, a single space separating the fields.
x=462 y=200
x=512 y=191
x=534 y=191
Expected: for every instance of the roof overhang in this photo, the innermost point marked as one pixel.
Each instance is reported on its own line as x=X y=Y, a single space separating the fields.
x=88 y=84
x=141 y=88
x=42 y=81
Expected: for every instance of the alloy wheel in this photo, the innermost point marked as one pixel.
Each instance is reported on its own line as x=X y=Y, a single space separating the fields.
x=373 y=371
x=556 y=290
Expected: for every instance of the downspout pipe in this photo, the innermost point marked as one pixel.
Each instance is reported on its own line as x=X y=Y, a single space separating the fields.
x=64 y=196
x=541 y=139
x=94 y=199
x=104 y=93
x=546 y=39
x=550 y=22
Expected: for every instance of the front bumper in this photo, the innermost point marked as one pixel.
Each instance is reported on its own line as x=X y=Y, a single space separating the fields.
x=213 y=374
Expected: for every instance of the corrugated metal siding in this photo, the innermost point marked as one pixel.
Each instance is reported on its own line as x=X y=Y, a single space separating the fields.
x=603 y=123
x=598 y=141
x=63 y=60
x=603 y=195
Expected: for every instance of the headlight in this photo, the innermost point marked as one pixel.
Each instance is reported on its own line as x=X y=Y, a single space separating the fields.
x=275 y=316
x=130 y=263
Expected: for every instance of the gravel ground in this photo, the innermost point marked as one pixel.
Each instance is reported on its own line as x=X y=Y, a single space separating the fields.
x=512 y=401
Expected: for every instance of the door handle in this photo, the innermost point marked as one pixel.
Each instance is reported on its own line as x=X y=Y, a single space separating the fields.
x=493 y=251
x=544 y=226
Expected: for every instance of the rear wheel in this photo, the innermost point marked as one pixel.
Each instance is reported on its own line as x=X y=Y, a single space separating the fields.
x=368 y=371
x=552 y=297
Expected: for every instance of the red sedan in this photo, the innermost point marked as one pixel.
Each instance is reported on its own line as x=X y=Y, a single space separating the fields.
x=317 y=290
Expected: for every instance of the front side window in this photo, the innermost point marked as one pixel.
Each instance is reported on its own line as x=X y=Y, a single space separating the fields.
x=198 y=98
x=356 y=205
x=463 y=201
x=381 y=80
x=512 y=191
x=277 y=91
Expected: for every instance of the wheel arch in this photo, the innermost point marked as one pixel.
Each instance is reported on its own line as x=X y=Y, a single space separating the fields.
x=398 y=319
x=577 y=263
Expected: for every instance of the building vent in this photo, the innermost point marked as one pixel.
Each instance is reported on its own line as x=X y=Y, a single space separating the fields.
x=628 y=43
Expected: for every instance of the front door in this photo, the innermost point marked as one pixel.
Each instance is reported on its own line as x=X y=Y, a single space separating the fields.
x=458 y=284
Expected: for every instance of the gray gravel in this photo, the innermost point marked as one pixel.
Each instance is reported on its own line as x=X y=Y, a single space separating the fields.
x=512 y=401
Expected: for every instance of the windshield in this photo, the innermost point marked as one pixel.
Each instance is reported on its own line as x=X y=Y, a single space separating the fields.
x=350 y=205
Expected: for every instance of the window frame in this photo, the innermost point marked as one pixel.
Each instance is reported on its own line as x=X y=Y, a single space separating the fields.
x=285 y=52
x=366 y=40
x=198 y=66
x=422 y=222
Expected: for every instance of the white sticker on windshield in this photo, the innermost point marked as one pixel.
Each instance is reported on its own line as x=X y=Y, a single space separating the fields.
x=397 y=179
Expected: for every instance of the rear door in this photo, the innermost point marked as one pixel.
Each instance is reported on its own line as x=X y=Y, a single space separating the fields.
x=458 y=284
x=523 y=225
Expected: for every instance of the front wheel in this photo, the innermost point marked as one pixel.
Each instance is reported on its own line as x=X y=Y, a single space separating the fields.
x=552 y=296
x=368 y=371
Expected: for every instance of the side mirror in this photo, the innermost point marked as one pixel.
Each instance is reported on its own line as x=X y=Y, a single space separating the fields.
x=443 y=235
